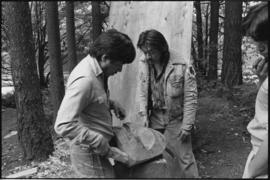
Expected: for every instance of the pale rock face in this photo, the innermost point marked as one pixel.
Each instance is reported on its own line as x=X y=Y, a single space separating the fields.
x=173 y=19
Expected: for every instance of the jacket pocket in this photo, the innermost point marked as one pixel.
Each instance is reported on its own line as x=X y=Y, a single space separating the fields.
x=175 y=85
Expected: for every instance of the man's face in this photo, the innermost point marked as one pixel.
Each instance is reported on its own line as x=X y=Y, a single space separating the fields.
x=151 y=54
x=115 y=67
x=110 y=67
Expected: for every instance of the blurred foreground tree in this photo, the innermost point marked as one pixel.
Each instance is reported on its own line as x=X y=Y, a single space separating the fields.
x=56 y=80
x=33 y=129
x=232 y=57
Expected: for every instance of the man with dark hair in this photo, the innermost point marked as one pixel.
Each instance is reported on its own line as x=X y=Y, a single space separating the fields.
x=84 y=116
x=167 y=98
x=256 y=25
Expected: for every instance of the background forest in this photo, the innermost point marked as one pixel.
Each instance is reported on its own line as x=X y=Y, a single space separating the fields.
x=32 y=31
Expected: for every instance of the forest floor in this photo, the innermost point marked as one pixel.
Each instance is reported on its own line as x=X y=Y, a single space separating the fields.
x=221 y=142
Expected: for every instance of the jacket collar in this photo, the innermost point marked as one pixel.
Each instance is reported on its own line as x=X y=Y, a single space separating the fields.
x=96 y=69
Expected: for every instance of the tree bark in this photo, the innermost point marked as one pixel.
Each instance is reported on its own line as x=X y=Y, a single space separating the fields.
x=96 y=20
x=41 y=33
x=232 y=62
x=213 y=49
x=41 y=63
x=33 y=129
x=56 y=80
x=71 y=42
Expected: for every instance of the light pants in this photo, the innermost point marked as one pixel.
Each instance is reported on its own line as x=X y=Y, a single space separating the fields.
x=250 y=157
x=87 y=164
x=183 y=150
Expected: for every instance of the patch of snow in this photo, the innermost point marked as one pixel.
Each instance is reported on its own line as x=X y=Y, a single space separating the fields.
x=7 y=90
x=12 y=133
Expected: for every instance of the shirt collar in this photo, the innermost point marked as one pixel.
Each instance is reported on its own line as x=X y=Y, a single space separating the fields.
x=96 y=67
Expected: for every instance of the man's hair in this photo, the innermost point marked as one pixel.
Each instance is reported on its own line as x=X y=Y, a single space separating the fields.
x=155 y=39
x=256 y=24
x=115 y=45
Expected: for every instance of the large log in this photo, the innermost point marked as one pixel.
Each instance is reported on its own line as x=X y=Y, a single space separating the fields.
x=24 y=174
x=173 y=19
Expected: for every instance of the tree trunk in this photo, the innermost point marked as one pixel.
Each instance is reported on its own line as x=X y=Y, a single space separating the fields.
x=161 y=15
x=206 y=37
x=213 y=50
x=197 y=5
x=71 y=42
x=56 y=80
x=33 y=128
x=96 y=20
x=232 y=62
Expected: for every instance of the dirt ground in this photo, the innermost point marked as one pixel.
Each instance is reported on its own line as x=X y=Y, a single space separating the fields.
x=220 y=142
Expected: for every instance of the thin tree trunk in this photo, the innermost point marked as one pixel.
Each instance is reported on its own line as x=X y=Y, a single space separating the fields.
x=232 y=62
x=56 y=80
x=206 y=38
x=33 y=128
x=213 y=50
x=71 y=42
x=96 y=20
x=197 y=5
x=194 y=54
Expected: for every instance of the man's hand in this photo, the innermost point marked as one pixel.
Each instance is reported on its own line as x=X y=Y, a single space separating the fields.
x=118 y=155
x=118 y=110
x=103 y=147
x=260 y=68
x=183 y=135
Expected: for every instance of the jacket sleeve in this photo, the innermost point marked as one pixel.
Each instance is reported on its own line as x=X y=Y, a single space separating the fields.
x=78 y=95
x=190 y=98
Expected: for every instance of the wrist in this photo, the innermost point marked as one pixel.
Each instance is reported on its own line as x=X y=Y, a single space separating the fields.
x=105 y=149
x=109 y=153
x=187 y=128
x=102 y=146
